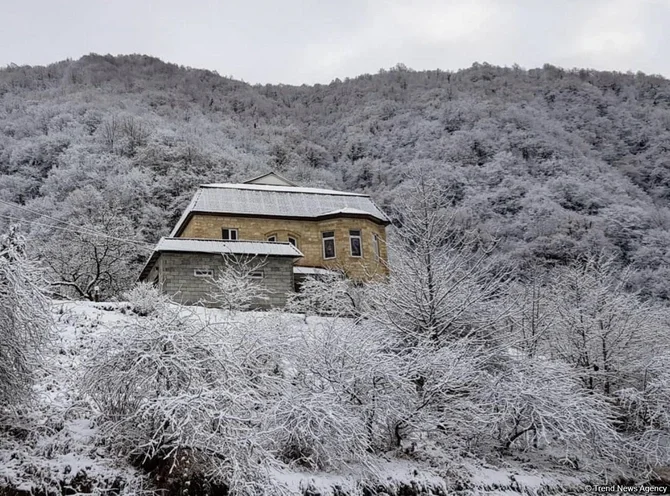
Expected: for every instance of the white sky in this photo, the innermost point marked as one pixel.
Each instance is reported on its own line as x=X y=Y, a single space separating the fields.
x=315 y=41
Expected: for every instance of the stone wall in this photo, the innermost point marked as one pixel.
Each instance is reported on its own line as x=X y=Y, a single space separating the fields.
x=177 y=279
x=309 y=236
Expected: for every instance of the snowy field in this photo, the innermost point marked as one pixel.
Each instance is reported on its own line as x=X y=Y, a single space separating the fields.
x=59 y=449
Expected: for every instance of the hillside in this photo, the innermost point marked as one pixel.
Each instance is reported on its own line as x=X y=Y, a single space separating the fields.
x=64 y=447
x=554 y=163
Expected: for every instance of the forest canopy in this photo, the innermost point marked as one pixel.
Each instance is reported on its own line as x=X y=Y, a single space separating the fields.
x=555 y=164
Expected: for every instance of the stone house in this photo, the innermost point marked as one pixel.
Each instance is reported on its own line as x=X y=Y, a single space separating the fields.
x=316 y=230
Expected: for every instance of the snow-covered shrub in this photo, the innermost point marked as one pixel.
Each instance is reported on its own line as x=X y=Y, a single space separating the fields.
x=645 y=415
x=25 y=321
x=329 y=295
x=234 y=288
x=534 y=403
x=145 y=299
x=172 y=390
x=344 y=387
x=446 y=378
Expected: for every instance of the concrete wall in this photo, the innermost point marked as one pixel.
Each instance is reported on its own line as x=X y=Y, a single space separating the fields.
x=176 y=278
x=308 y=233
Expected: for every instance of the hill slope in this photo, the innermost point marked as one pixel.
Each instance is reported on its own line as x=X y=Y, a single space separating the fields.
x=555 y=163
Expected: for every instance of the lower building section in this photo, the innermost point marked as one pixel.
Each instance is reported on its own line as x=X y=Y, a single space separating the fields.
x=188 y=278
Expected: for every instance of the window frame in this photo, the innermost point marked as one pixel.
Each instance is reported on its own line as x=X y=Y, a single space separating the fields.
x=325 y=238
x=257 y=274
x=375 y=246
x=272 y=238
x=200 y=272
x=295 y=241
x=230 y=230
x=358 y=236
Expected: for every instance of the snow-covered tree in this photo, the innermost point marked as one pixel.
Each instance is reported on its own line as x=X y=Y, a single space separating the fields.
x=25 y=320
x=442 y=279
x=175 y=391
x=331 y=295
x=234 y=286
x=533 y=403
x=598 y=326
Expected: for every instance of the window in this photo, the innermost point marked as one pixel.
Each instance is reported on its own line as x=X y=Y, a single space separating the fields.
x=203 y=272
x=375 y=245
x=355 y=243
x=229 y=234
x=257 y=274
x=272 y=238
x=328 y=244
x=293 y=241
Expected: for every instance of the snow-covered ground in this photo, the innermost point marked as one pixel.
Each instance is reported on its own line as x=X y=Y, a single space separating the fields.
x=56 y=448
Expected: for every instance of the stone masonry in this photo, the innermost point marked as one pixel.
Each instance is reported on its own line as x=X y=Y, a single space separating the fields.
x=177 y=279
x=308 y=233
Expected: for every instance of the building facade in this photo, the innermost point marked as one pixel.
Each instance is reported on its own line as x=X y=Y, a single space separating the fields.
x=309 y=230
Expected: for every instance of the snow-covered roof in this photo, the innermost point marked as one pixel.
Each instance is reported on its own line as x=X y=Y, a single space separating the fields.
x=215 y=246
x=277 y=201
x=282 y=189
x=313 y=271
x=265 y=248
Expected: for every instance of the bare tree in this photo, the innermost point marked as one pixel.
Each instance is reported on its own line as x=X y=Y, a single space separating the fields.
x=599 y=326
x=235 y=287
x=95 y=253
x=442 y=278
x=331 y=295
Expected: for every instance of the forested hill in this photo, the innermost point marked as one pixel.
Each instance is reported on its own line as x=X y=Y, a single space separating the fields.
x=555 y=163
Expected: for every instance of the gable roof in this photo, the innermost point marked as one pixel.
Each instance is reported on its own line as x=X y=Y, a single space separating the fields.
x=261 y=200
x=271 y=178
x=215 y=246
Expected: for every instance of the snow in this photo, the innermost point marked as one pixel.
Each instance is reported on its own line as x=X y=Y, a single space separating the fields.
x=63 y=431
x=263 y=248
x=284 y=189
x=312 y=271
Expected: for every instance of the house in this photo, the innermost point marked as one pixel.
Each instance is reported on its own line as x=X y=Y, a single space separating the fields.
x=314 y=231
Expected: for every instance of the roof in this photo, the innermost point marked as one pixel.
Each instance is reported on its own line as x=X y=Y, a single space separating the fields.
x=278 y=201
x=270 y=178
x=313 y=271
x=215 y=246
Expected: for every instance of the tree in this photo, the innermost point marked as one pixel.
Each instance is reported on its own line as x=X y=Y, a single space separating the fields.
x=185 y=395
x=441 y=277
x=96 y=252
x=25 y=320
x=599 y=327
x=537 y=402
x=331 y=295
x=235 y=287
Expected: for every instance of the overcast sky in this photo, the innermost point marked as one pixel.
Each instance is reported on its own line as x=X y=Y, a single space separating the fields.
x=303 y=41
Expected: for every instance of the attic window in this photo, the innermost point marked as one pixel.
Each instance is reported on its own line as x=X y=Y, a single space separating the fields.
x=328 y=245
x=203 y=272
x=229 y=234
x=355 y=243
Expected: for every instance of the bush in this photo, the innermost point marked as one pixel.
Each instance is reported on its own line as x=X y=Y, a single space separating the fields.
x=171 y=389
x=145 y=299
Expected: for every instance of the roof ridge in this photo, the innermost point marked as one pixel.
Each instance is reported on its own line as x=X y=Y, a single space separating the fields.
x=230 y=240
x=305 y=190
